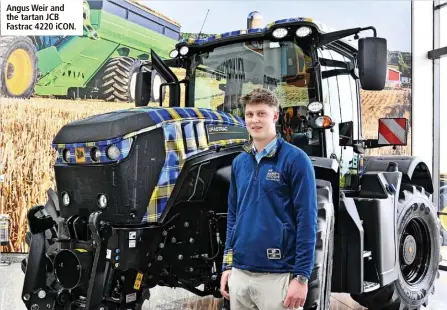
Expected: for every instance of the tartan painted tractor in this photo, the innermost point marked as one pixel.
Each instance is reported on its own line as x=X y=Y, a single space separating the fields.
x=142 y=193
x=102 y=63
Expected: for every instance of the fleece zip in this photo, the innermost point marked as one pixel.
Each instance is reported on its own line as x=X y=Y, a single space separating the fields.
x=272 y=212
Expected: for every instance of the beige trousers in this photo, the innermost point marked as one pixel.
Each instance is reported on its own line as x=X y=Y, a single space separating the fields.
x=262 y=291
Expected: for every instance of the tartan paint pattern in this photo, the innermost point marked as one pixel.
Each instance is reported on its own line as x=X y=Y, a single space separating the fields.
x=185 y=136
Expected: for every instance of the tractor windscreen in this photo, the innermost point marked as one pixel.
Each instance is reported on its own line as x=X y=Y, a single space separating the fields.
x=220 y=77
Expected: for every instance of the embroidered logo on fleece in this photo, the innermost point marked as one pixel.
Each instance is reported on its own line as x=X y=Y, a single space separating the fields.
x=273 y=176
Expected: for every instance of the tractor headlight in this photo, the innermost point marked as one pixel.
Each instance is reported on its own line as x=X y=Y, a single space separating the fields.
x=303 y=32
x=184 y=50
x=102 y=201
x=113 y=152
x=315 y=107
x=65 y=199
x=95 y=154
x=279 y=33
x=66 y=155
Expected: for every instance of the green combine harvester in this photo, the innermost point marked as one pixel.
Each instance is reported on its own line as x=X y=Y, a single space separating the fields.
x=118 y=36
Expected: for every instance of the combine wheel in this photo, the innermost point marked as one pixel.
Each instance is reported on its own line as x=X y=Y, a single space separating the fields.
x=118 y=80
x=418 y=249
x=18 y=67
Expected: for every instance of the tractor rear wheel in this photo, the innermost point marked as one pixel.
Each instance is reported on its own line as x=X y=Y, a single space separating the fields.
x=418 y=249
x=118 y=79
x=18 y=67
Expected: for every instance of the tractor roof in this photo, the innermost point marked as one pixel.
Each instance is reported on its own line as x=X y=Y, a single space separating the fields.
x=320 y=27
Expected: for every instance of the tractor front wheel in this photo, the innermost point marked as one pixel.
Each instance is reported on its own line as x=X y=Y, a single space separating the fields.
x=18 y=67
x=418 y=255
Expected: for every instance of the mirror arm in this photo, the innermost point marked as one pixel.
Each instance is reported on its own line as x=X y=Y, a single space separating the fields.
x=371 y=144
x=337 y=35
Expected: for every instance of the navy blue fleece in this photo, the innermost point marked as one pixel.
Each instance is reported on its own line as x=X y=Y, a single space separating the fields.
x=272 y=205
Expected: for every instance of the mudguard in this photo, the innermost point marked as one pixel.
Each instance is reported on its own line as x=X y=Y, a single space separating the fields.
x=414 y=170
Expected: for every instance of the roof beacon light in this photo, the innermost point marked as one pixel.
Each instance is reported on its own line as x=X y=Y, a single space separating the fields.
x=303 y=31
x=279 y=33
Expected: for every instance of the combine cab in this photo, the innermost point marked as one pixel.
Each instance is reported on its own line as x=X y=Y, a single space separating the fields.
x=142 y=193
x=118 y=35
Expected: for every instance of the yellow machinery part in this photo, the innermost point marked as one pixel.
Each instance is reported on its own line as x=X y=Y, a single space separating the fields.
x=18 y=72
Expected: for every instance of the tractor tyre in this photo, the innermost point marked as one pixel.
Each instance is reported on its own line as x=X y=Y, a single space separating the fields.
x=319 y=286
x=418 y=248
x=18 y=67
x=119 y=79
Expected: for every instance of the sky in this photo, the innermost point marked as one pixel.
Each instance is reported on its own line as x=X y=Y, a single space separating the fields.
x=392 y=19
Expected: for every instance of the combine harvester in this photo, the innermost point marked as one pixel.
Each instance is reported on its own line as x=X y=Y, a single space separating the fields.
x=118 y=37
x=142 y=193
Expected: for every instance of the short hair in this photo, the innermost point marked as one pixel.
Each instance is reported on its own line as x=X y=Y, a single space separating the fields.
x=260 y=95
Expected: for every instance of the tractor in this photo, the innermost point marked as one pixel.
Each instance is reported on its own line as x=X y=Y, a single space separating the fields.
x=141 y=197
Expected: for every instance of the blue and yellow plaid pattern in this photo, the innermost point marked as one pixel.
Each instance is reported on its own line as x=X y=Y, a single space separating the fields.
x=185 y=135
x=246 y=31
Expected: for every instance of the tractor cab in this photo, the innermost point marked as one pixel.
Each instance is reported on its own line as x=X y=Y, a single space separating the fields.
x=315 y=73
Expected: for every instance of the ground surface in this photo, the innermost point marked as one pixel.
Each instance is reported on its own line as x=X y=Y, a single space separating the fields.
x=11 y=280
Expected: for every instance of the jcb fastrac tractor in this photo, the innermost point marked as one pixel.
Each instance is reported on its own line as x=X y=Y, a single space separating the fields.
x=142 y=193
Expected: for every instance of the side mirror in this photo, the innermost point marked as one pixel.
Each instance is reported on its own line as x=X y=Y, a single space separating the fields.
x=372 y=63
x=393 y=131
x=345 y=133
x=174 y=94
x=143 y=88
x=346 y=137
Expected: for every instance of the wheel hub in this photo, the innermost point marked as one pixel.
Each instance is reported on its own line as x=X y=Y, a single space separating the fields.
x=414 y=254
x=10 y=71
x=409 y=249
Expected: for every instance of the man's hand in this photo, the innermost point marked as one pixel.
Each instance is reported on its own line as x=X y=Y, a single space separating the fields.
x=223 y=284
x=296 y=295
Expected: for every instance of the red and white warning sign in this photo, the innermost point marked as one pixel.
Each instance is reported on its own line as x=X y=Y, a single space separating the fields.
x=392 y=131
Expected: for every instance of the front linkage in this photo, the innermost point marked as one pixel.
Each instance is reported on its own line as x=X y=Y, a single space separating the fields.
x=95 y=265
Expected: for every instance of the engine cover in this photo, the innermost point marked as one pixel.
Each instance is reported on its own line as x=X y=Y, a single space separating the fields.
x=126 y=163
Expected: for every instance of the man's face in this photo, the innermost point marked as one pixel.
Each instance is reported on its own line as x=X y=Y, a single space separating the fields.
x=261 y=120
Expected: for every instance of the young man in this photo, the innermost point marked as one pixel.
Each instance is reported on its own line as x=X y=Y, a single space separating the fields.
x=272 y=216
